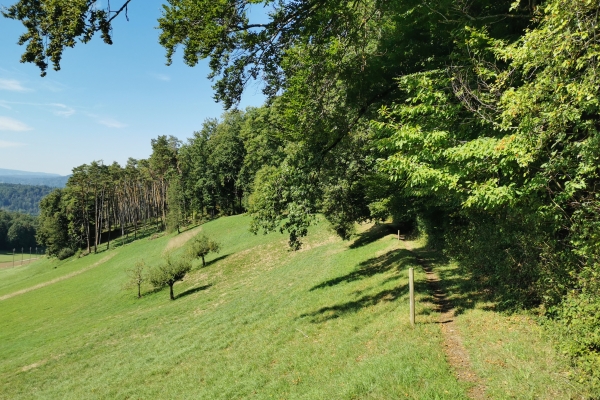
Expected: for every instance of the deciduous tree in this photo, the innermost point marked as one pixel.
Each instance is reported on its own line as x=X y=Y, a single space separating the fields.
x=201 y=246
x=173 y=269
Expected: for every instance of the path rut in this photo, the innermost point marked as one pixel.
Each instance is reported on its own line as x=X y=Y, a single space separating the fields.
x=455 y=351
x=60 y=278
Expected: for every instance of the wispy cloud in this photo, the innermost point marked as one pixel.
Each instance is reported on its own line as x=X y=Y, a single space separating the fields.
x=13 y=85
x=161 y=77
x=9 y=124
x=111 y=123
x=4 y=144
x=58 y=109
x=106 y=121
x=53 y=86
x=63 y=110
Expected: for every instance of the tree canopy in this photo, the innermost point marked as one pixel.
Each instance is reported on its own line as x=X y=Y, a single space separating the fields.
x=476 y=122
x=22 y=198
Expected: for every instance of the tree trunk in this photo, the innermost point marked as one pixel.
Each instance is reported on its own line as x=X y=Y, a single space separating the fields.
x=203 y=263
x=140 y=291
x=171 y=291
x=109 y=227
x=95 y=222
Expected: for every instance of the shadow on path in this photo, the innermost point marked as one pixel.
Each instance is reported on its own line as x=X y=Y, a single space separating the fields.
x=456 y=353
x=465 y=291
x=372 y=234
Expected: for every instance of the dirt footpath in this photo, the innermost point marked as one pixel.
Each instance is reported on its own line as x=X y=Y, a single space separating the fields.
x=456 y=354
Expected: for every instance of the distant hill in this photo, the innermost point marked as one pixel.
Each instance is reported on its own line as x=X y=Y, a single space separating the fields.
x=14 y=172
x=32 y=178
x=22 y=198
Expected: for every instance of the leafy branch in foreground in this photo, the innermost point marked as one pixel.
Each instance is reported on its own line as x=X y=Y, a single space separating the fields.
x=53 y=25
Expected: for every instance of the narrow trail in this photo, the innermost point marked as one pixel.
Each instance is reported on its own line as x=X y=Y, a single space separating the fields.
x=456 y=354
x=60 y=278
x=181 y=239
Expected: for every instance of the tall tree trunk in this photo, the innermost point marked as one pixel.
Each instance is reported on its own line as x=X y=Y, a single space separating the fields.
x=95 y=222
x=109 y=227
x=171 y=290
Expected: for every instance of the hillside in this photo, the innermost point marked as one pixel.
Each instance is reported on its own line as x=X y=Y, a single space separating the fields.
x=259 y=321
x=22 y=198
x=32 y=178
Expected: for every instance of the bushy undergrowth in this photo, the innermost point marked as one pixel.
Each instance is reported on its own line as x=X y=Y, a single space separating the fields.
x=578 y=329
x=524 y=261
x=65 y=253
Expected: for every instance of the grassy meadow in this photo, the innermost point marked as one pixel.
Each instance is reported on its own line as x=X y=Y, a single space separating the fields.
x=259 y=321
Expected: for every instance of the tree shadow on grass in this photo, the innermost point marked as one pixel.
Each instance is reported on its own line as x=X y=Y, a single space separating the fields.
x=152 y=291
x=395 y=259
x=455 y=290
x=372 y=234
x=339 y=310
x=193 y=290
x=214 y=260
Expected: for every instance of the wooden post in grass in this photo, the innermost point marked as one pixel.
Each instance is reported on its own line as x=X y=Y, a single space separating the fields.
x=411 y=289
x=398 y=234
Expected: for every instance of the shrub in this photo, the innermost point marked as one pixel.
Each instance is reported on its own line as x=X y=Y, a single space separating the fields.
x=65 y=253
x=578 y=327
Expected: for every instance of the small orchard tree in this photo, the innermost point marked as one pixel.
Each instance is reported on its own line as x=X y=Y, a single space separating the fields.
x=201 y=246
x=137 y=276
x=172 y=270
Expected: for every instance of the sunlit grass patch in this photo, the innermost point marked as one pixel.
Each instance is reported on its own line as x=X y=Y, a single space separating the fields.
x=330 y=321
x=512 y=353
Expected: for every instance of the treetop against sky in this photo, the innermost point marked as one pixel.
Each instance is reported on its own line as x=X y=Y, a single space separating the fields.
x=106 y=103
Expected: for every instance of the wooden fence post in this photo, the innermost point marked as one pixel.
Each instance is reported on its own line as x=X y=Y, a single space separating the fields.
x=411 y=288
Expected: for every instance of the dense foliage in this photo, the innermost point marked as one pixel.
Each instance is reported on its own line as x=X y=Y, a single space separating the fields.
x=211 y=174
x=17 y=231
x=475 y=121
x=22 y=198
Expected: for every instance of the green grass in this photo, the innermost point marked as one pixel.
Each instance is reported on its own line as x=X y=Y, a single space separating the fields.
x=327 y=322
x=6 y=259
x=512 y=353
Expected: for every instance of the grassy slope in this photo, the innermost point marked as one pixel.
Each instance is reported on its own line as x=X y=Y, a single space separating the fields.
x=511 y=353
x=329 y=321
x=6 y=256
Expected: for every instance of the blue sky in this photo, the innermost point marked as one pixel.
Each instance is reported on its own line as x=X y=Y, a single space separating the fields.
x=105 y=103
